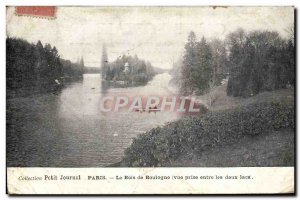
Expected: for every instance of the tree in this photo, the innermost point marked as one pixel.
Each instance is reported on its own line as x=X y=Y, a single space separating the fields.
x=34 y=68
x=81 y=64
x=104 y=64
x=236 y=42
x=202 y=72
x=219 y=61
x=196 y=71
x=175 y=72
x=39 y=54
x=259 y=61
x=130 y=69
x=189 y=62
x=289 y=61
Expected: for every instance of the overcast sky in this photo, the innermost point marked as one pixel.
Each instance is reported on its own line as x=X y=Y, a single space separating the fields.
x=156 y=34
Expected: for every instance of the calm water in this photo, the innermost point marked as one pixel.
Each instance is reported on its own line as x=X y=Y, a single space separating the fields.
x=68 y=129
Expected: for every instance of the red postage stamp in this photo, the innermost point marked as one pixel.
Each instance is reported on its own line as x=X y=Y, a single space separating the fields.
x=37 y=11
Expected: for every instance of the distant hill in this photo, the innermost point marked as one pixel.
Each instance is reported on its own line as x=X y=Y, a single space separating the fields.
x=160 y=70
x=92 y=70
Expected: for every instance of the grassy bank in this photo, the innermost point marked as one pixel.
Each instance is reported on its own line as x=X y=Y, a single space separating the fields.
x=192 y=138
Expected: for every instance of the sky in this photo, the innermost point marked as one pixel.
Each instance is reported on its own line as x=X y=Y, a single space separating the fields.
x=155 y=34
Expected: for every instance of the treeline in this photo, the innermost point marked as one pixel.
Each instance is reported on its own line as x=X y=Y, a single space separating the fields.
x=72 y=70
x=92 y=70
x=203 y=65
x=259 y=61
x=36 y=68
x=126 y=68
x=251 y=62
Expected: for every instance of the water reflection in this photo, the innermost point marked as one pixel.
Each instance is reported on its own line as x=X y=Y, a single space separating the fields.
x=67 y=129
x=91 y=138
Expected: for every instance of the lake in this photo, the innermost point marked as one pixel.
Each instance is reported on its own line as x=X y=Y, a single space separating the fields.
x=68 y=129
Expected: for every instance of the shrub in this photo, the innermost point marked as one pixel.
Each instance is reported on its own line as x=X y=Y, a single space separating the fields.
x=192 y=135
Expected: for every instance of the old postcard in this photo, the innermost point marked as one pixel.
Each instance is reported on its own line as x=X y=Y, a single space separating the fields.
x=150 y=100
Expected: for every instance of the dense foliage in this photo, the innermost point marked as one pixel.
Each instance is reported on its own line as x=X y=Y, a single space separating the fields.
x=251 y=62
x=126 y=68
x=203 y=65
x=193 y=135
x=31 y=67
x=259 y=61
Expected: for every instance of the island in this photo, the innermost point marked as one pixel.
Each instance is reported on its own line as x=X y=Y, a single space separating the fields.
x=126 y=70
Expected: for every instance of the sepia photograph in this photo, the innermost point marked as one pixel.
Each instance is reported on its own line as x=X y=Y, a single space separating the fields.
x=150 y=87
